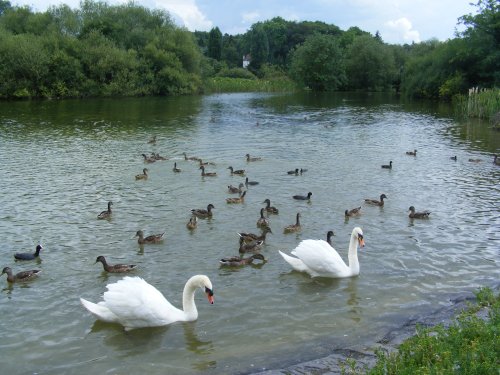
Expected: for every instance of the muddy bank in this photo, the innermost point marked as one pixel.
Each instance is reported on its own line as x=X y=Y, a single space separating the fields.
x=365 y=356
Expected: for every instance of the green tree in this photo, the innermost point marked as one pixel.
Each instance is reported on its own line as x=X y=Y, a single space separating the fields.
x=259 y=46
x=318 y=64
x=214 y=50
x=370 y=64
x=4 y=5
x=230 y=53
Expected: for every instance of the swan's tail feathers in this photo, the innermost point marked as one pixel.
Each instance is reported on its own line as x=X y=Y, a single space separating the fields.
x=296 y=263
x=99 y=311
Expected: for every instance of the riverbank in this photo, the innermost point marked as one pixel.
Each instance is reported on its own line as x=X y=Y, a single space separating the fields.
x=358 y=359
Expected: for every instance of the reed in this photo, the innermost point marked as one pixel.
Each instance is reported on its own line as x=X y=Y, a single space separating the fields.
x=479 y=103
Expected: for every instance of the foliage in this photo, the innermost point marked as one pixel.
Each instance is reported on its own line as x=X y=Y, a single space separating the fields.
x=225 y=84
x=318 y=64
x=259 y=46
x=469 y=346
x=483 y=103
x=236 y=73
x=214 y=49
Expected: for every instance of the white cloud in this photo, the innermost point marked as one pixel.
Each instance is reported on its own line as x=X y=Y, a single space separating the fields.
x=403 y=29
x=188 y=12
x=250 y=17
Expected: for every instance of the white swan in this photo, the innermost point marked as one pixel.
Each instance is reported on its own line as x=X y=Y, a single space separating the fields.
x=319 y=259
x=134 y=303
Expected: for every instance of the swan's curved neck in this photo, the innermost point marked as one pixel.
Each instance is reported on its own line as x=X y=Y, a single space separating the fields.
x=188 y=304
x=353 y=254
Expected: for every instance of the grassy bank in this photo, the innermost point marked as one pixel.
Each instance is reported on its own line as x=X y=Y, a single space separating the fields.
x=227 y=84
x=470 y=345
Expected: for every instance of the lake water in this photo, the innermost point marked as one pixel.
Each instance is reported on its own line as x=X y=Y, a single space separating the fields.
x=63 y=161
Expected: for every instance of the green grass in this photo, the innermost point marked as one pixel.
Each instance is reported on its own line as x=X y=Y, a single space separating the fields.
x=479 y=103
x=226 y=84
x=470 y=345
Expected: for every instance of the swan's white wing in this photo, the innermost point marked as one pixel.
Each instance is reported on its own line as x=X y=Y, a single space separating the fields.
x=321 y=258
x=296 y=263
x=139 y=304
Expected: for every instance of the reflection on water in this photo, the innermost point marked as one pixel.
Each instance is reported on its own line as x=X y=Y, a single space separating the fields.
x=63 y=161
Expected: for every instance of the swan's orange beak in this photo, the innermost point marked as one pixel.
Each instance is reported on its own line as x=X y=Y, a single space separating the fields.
x=361 y=242
x=210 y=295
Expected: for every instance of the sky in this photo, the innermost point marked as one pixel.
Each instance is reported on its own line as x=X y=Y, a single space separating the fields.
x=397 y=21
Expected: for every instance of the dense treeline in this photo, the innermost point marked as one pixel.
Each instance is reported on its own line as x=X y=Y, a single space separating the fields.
x=103 y=50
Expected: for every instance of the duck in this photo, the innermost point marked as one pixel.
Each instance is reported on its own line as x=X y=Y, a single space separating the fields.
x=205 y=162
x=412 y=153
x=175 y=169
x=207 y=174
x=329 y=236
x=475 y=160
x=29 y=256
x=199 y=212
x=496 y=160
x=262 y=221
x=116 y=268
x=454 y=158
x=250 y=247
x=353 y=212
x=318 y=259
x=249 y=159
x=270 y=209
x=134 y=303
x=236 y=190
x=238 y=261
x=249 y=237
x=303 y=197
x=293 y=227
x=195 y=158
x=148 y=159
x=240 y=199
x=153 y=238
x=106 y=214
x=192 y=223
x=20 y=276
x=239 y=172
x=302 y=170
x=157 y=156
x=295 y=172
x=152 y=140
x=143 y=176
x=387 y=166
x=377 y=202
x=250 y=182
x=418 y=215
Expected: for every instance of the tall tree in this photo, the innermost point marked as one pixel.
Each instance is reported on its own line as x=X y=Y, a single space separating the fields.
x=215 y=44
x=259 y=46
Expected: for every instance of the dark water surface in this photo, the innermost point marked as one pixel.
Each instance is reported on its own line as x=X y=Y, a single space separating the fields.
x=61 y=162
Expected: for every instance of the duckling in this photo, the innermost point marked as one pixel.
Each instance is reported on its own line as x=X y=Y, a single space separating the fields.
x=195 y=158
x=153 y=238
x=496 y=160
x=20 y=276
x=236 y=190
x=303 y=197
x=329 y=236
x=240 y=199
x=148 y=159
x=192 y=223
x=387 y=166
x=270 y=209
x=106 y=214
x=353 y=212
x=152 y=140
x=249 y=237
x=237 y=261
x=175 y=169
x=249 y=159
x=116 y=268
x=143 y=176
x=263 y=221
x=207 y=174
x=239 y=172
x=376 y=202
x=250 y=247
x=29 y=256
x=293 y=227
x=454 y=158
x=412 y=153
x=250 y=182
x=295 y=172
x=418 y=215
x=203 y=213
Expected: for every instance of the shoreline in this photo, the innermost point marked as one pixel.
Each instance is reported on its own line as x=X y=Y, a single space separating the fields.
x=364 y=355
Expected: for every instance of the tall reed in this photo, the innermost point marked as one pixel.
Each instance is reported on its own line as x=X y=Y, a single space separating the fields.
x=479 y=103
